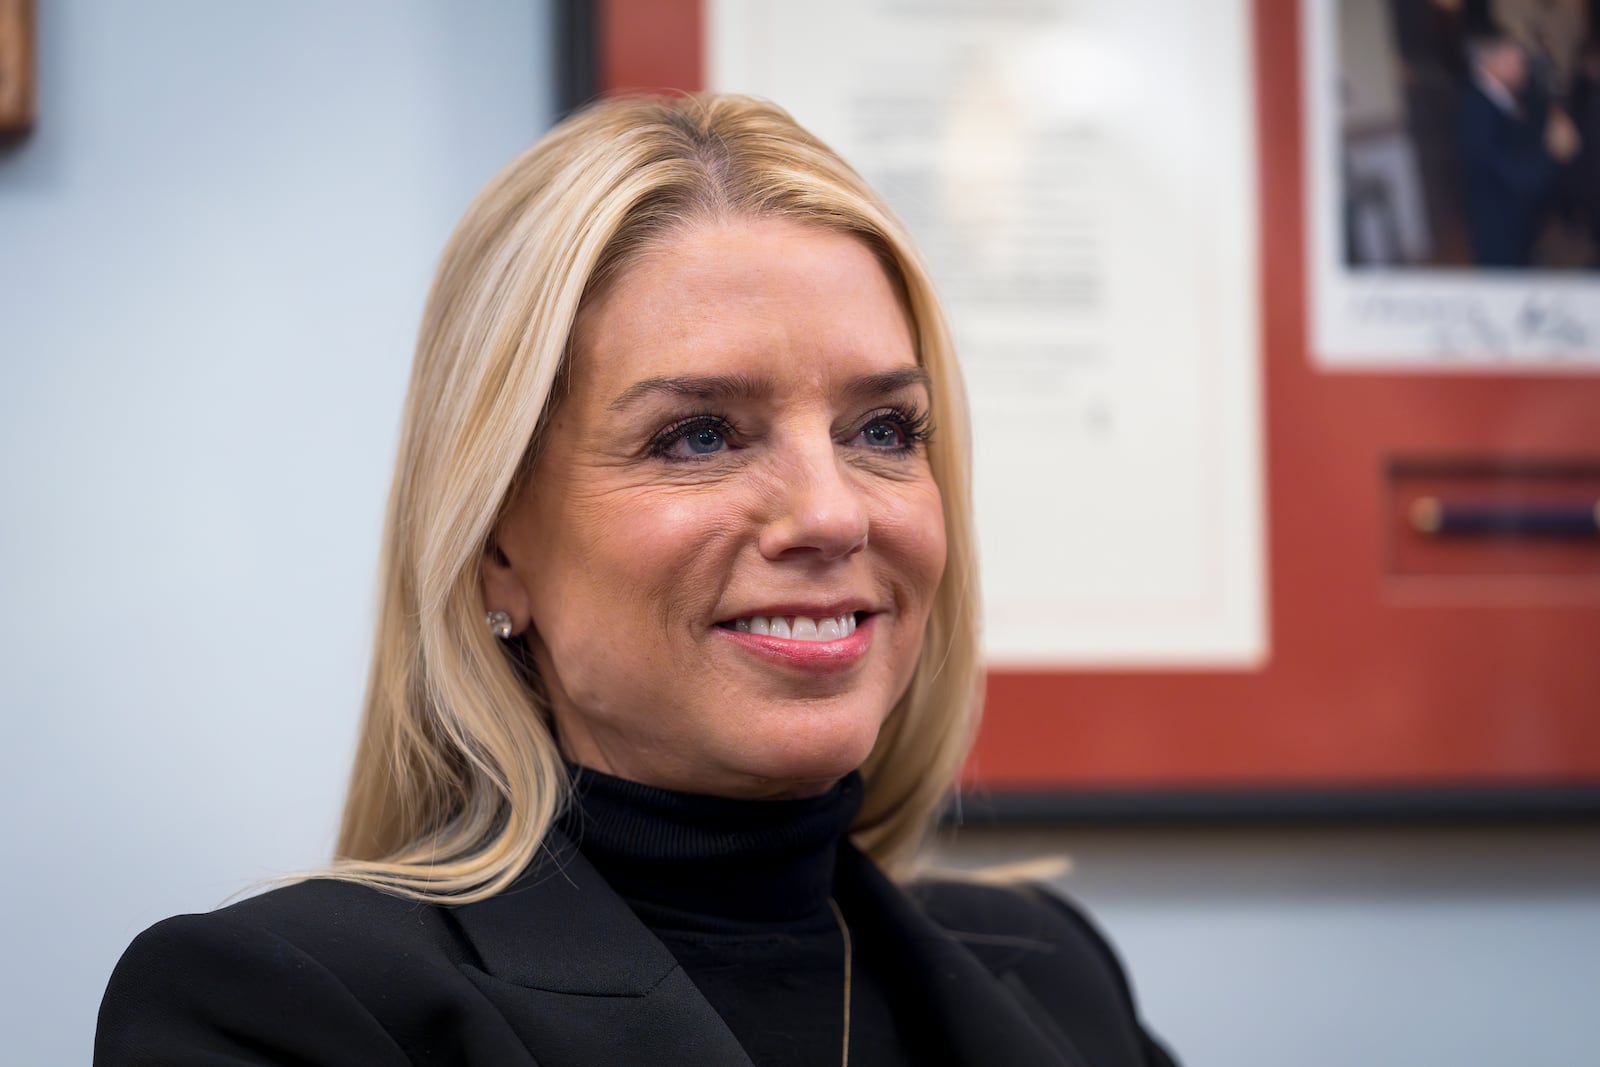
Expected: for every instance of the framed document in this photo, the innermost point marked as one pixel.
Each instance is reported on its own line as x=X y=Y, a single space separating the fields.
x=1210 y=593
x=1080 y=178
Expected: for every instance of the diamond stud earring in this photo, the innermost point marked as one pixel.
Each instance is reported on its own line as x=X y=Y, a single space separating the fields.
x=499 y=624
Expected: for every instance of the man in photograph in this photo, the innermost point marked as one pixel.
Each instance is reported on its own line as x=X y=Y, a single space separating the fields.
x=1510 y=151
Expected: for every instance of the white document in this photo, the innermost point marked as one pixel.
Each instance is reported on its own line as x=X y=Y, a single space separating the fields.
x=1081 y=179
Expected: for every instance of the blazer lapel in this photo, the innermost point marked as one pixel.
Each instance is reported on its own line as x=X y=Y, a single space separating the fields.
x=980 y=1018
x=581 y=979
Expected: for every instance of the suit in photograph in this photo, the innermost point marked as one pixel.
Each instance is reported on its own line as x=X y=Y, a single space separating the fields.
x=1508 y=178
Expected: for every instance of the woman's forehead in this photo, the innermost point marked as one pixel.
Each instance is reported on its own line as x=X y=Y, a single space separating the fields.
x=754 y=300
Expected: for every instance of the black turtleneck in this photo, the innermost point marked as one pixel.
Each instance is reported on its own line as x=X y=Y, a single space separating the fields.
x=739 y=891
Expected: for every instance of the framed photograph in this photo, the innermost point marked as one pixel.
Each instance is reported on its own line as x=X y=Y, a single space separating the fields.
x=1453 y=178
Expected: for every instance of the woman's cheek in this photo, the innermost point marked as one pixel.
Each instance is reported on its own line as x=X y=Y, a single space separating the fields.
x=914 y=529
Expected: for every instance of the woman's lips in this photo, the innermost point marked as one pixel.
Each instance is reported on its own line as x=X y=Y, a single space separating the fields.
x=811 y=651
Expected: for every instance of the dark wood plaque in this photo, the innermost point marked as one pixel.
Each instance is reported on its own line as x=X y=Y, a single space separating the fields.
x=16 y=66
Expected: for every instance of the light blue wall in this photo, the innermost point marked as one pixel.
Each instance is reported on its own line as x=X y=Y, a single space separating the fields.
x=214 y=251
x=1345 y=948
x=213 y=255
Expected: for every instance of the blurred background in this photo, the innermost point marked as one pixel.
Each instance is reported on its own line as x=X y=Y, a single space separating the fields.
x=215 y=243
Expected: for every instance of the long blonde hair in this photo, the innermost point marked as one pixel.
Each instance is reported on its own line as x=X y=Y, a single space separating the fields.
x=457 y=774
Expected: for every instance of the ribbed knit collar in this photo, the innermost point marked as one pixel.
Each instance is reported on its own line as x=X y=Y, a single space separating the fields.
x=711 y=863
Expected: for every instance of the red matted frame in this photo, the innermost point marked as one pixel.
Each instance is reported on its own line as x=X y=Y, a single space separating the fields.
x=1386 y=692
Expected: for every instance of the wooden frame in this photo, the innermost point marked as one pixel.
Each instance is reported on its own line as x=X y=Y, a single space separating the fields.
x=1387 y=695
x=16 y=67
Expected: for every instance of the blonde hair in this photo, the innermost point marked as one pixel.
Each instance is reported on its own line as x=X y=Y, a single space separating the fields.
x=457 y=775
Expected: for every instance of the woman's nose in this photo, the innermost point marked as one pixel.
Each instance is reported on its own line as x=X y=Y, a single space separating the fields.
x=819 y=510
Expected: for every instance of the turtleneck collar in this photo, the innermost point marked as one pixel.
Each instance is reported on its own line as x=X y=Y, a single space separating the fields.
x=711 y=863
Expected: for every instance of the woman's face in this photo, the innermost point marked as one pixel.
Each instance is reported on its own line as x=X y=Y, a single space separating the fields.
x=725 y=555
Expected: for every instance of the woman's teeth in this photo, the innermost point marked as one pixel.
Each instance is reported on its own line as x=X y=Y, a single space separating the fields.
x=797 y=627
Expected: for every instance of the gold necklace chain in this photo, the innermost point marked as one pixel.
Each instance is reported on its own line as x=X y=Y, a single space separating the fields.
x=844 y=932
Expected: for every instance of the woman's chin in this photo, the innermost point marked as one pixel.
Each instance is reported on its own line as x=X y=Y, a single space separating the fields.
x=796 y=770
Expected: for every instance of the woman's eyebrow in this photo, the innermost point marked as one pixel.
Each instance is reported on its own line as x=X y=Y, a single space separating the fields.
x=894 y=381
x=694 y=387
x=744 y=387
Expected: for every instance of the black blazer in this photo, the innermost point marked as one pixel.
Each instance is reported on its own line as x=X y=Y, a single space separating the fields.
x=558 y=971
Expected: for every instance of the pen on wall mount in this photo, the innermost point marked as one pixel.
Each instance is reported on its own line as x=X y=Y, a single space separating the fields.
x=1443 y=518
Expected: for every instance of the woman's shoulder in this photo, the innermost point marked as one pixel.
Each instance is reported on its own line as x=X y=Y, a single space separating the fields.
x=1026 y=916
x=319 y=957
x=1046 y=949
x=325 y=918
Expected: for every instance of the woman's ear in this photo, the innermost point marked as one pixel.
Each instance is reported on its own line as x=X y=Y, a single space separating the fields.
x=502 y=587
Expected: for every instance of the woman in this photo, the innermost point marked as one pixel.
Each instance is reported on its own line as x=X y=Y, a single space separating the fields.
x=676 y=655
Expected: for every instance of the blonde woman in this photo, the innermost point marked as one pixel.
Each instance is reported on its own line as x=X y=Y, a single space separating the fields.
x=676 y=659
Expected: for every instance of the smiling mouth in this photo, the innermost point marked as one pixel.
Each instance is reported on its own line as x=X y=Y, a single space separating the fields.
x=797 y=627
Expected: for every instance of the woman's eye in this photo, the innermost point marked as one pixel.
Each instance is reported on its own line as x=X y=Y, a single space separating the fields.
x=881 y=433
x=688 y=440
x=895 y=431
x=703 y=441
